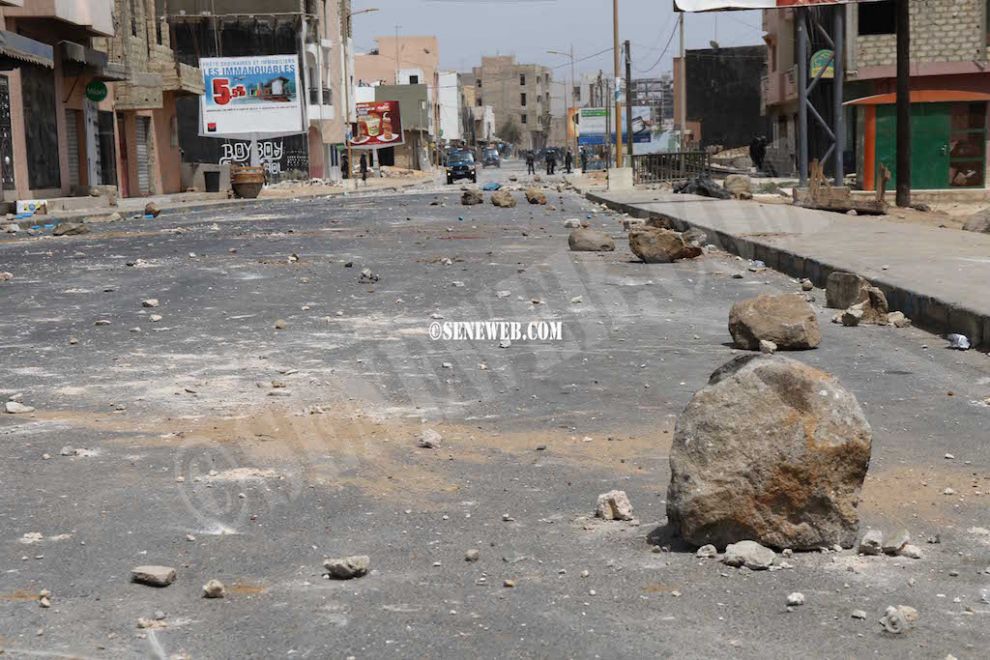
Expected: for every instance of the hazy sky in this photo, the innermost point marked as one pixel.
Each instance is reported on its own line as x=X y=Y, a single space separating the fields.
x=468 y=29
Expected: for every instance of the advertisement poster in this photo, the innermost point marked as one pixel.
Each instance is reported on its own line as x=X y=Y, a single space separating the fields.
x=251 y=96
x=593 y=127
x=379 y=125
x=710 y=5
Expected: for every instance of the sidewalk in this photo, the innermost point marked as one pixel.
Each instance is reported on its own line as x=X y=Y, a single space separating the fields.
x=940 y=278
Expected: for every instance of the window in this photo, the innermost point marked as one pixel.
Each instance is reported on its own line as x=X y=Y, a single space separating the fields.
x=525 y=118
x=478 y=83
x=413 y=80
x=576 y=92
x=522 y=100
x=134 y=19
x=522 y=79
x=478 y=102
x=878 y=17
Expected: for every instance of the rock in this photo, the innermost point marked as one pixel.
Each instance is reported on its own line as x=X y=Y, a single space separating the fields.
x=152 y=209
x=978 y=222
x=843 y=289
x=767 y=347
x=150 y=302
x=367 y=277
x=858 y=614
x=656 y=222
x=155 y=318
x=347 y=568
x=68 y=451
x=873 y=308
x=850 y=318
x=214 y=589
x=589 y=240
x=614 y=505
x=17 y=408
x=785 y=319
x=738 y=185
x=535 y=196
x=871 y=543
x=892 y=545
x=910 y=551
x=430 y=439
x=503 y=199
x=509 y=584
x=661 y=246
x=572 y=223
x=795 y=599
x=695 y=237
x=472 y=197
x=898 y=320
x=807 y=285
x=6 y=276
x=154 y=576
x=898 y=620
x=958 y=342
x=472 y=555
x=707 y=552
x=281 y=324
x=12 y=228
x=750 y=554
x=771 y=450
x=70 y=229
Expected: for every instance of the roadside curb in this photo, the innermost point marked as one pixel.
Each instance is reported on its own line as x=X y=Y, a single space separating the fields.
x=925 y=311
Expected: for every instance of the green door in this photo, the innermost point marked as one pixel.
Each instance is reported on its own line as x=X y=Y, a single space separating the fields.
x=930 y=125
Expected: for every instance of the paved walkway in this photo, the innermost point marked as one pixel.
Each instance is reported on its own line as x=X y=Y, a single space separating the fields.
x=940 y=278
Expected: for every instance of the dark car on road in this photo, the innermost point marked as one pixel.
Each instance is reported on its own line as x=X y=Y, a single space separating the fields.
x=461 y=165
x=491 y=158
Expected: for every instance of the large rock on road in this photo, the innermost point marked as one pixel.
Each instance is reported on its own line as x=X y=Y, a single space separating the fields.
x=661 y=246
x=786 y=319
x=771 y=450
x=589 y=240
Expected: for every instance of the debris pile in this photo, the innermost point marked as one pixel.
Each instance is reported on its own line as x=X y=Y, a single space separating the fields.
x=702 y=185
x=773 y=451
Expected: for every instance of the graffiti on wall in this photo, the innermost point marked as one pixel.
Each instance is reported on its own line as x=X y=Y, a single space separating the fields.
x=271 y=153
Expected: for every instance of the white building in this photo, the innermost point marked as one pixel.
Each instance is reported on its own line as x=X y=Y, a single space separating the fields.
x=449 y=96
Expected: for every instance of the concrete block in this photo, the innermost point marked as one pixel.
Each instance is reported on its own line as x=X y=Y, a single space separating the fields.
x=620 y=178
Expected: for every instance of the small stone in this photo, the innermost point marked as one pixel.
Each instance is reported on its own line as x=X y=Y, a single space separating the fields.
x=795 y=599
x=430 y=439
x=280 y=324
x=347 y=568
x=214 y=589
x=898 y=320
x=102 y=322
x=73 y=341
x=368 y=277
x=898 y=620
x=614 y=505
x=69 y=451
x=893 y=544
x=767 y=347
x=154 y=576
x=858 y=614
x=949 y=491
x=807 y=285
x=150 y=302
x=16 y=408
x=155 y=318
x=572 y=223
x=707 y=552
x=472 y=555
x=577 y=300
x=509 y=584
x=871 y=543
x=910 y=551
x=750 y=554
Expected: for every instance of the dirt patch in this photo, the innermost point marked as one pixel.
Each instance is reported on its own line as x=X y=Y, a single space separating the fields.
x=906 y=494
x=243 y=588
x=19 y=596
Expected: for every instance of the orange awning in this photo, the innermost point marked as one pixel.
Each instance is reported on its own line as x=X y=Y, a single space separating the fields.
x=923 y=96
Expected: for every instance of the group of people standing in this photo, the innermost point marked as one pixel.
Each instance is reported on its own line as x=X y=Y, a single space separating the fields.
x=550 y=160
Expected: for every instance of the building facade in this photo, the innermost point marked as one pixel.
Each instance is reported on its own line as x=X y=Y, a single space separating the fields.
x=656 y=94
x=520 y=97
x=950 y=88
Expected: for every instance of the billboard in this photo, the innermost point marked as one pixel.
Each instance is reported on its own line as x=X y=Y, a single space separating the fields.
x=379 y=125
x=251 y=96
x=711 y=5
x=594 y=127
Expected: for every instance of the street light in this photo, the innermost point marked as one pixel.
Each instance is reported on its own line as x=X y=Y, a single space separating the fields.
x=570 y=91
x=347 y=86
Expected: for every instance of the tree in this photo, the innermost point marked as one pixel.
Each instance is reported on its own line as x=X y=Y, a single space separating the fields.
x=509 y=132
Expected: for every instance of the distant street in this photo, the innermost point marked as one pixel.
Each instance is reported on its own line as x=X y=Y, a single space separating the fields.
x=226 y=392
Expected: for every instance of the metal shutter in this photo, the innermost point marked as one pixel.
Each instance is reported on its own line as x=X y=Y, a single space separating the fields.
x=72 y=135
x=144 y=178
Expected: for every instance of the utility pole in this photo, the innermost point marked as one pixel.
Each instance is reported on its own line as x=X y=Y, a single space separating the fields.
x=397 y=54
x=682 y=97
x=618 y=82
x=629 y=109
x=569 y=105
x=903 y=195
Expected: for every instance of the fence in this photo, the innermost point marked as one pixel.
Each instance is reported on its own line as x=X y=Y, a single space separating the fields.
x=668 y=167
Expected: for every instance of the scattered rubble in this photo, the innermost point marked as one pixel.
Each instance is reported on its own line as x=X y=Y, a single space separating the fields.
x=750 y=554
x=70 y=229
x=898 y=620
x=503 y=199
x=871 y=543
x=214 y=589
x=367 y=277
x=772 y=450
x=589 y=240
x=898 y=320
x=348 y=568
x=154 y=576
x=785 y=319
x=702 y=185
x=535 y=196
x=661 y=246
x=614 y=505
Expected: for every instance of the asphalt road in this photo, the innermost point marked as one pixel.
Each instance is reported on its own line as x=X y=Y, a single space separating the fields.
x=213 y=443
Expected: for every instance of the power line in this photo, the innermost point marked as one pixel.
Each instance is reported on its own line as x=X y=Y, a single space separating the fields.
x=659 y=59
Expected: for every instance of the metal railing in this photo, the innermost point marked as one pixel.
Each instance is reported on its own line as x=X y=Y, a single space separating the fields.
x=670 y=167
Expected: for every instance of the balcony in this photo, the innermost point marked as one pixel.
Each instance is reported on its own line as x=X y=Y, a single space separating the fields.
x=95 y=17
x=320 y=104
x=319 y=97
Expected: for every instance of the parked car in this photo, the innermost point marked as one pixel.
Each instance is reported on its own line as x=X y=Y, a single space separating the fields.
x=490 y=157
x=461 y=165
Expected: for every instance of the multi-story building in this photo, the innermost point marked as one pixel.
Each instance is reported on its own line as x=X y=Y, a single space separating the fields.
x=655 y=93
x=316 y=31
x=519 y=95
x=950 y=88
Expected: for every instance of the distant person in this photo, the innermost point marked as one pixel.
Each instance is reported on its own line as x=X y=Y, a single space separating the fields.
x=758 y=152
x=364 y=168
x=584 y=161
x=530 y=163
x=568 y=161
x=345 y=167
x=551 y=162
